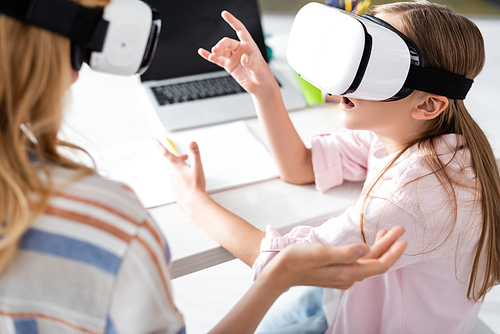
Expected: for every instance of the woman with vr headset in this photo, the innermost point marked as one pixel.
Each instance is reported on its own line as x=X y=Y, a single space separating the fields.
x=79 y=253
x=426 y=165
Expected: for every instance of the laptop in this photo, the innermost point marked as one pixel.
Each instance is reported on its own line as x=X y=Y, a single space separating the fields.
x=188 y=91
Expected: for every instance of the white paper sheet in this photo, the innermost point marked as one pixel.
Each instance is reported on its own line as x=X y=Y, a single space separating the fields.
x=230 y=154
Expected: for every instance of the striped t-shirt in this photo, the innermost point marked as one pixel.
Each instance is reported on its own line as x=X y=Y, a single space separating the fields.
x=93 y=262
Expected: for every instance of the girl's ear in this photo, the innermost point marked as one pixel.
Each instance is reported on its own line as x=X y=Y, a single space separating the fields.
x=431 y=107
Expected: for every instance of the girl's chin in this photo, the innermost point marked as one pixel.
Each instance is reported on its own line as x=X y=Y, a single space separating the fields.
x=350 y=121
x=346 y=122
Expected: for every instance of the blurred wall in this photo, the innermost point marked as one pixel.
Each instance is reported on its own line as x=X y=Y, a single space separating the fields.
x=466 y=7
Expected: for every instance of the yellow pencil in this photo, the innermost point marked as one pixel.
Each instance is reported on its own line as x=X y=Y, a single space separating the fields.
x=167 y=143
x=348 y=5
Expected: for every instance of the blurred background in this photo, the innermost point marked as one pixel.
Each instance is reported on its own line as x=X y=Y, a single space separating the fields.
x=465 y=7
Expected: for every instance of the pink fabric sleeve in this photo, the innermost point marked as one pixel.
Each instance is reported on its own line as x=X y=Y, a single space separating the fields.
x=340 y=156
x=345 y=229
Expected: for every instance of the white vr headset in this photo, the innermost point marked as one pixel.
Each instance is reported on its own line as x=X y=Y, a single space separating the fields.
x=120 y=38
x=362 y=57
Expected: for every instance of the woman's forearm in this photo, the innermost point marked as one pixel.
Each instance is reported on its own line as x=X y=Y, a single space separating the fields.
x=246 y=315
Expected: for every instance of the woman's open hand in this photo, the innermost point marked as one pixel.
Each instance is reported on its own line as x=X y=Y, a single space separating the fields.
x=335 y=267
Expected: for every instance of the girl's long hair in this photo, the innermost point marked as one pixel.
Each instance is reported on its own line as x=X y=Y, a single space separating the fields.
x=35 y=74
x=452 y=43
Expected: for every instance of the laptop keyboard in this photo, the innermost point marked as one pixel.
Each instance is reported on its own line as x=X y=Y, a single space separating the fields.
x=196 y=90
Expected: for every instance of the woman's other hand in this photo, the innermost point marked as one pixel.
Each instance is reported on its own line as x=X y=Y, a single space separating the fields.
x=335 y=267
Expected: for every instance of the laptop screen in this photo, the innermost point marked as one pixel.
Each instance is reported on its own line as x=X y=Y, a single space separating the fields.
x=190 y=24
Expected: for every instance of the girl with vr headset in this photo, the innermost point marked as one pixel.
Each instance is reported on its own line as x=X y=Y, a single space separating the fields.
x=426 y=165
x=79 y=253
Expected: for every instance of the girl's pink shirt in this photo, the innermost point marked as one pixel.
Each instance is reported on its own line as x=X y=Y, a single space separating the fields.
x=426 y=290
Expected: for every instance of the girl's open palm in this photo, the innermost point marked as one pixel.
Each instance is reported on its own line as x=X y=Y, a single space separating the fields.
x=241 y=58
x=187 y=181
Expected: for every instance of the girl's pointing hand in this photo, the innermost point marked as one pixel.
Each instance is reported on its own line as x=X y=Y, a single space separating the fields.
x=241 y=58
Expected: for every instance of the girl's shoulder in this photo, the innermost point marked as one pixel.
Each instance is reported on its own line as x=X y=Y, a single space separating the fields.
x=432 y=169
x=422 y=166
x=446 y=152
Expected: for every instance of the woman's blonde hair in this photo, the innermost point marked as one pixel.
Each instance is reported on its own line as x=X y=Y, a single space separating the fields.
x=35 y=72
x=452 y=43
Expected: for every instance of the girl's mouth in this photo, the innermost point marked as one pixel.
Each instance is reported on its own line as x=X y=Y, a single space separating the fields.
x=346 y=103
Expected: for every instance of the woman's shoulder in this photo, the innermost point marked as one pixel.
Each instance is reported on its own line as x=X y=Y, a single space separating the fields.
x=93 y=208
x=96 y=191
x=97 y=210
x=94 y=232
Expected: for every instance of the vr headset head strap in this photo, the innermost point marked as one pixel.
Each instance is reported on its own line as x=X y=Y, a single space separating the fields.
x=438 y=82
x=84 y=26
x=427 y=79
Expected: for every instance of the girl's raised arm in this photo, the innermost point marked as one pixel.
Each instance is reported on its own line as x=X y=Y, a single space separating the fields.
x=243 y=60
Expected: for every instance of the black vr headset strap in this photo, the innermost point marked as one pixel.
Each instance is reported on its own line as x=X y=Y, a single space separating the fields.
x=426 y=79
x=82 y=25
x=438 y=82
